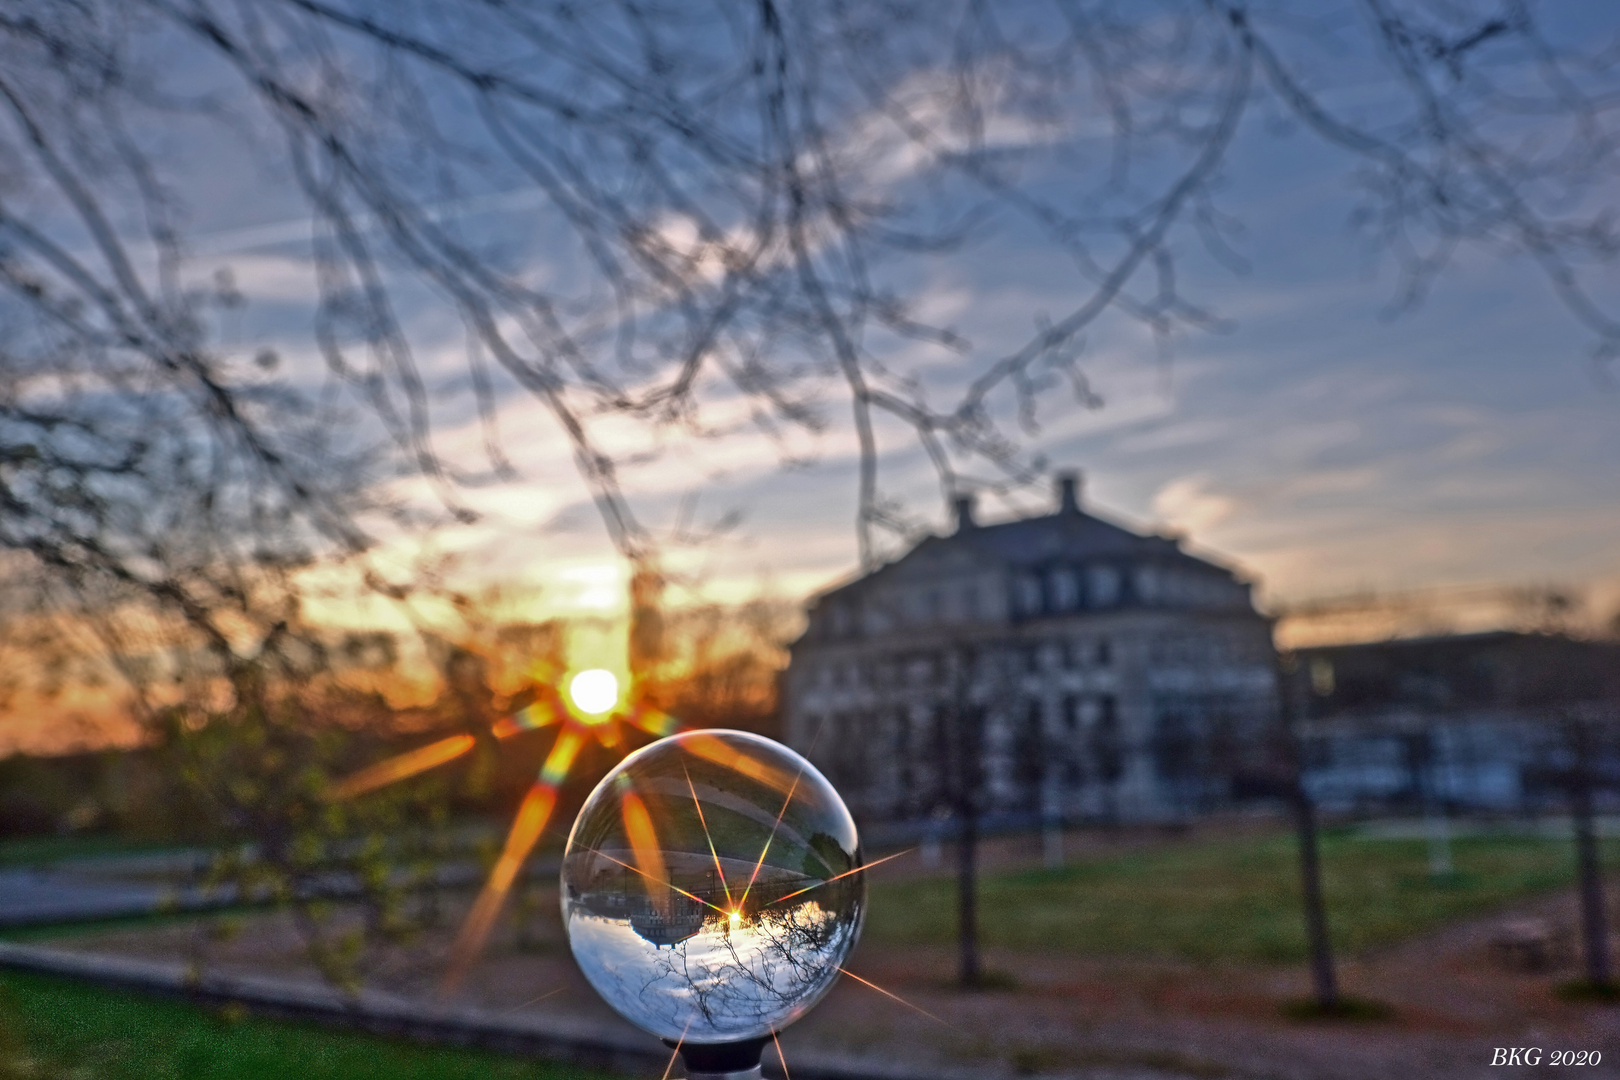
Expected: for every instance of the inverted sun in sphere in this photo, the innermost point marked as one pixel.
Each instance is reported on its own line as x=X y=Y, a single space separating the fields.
x=594 y=691
x=711 y=888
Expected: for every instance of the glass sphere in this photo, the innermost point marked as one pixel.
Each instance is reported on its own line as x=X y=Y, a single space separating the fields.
x=709 y=887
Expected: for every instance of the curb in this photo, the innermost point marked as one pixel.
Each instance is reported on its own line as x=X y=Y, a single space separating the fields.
x=379 y=1013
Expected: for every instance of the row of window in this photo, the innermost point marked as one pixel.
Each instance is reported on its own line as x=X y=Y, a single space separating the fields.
x=1056 y=590
x=1066 y=588
x=1204 y=650
x=1066 y=654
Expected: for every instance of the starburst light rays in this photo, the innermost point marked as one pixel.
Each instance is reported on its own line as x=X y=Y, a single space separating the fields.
x=717 y=750
x=785 y=1074
x=697 y=805
x=536 y=716
x=638 y=829
x=887 y=994
x=775 y=825
x=651 y=720
x=845 y=874
x=675 y=1053
x=661 y=881
x=402 y=767
x=530 y=822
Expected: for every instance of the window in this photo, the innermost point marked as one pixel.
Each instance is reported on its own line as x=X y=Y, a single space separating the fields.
x=1102 y=582
x=970 y=604
x=1065 y=589
x=1027 y=595
x=1322 y=676
x=1146 y=582
x=1105 y=652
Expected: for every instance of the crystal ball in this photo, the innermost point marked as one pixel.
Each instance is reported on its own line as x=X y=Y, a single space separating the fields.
x=710 y=887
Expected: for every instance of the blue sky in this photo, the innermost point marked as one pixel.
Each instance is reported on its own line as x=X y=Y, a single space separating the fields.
x=1323 y=442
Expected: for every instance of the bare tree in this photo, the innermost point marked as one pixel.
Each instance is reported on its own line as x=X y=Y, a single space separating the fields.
x=705 y=204
x=738 y=196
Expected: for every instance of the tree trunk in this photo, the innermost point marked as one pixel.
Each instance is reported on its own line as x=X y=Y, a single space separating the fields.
x=1310 y=867
x=1316 y=929
x=1594 y=924
x=967 y=894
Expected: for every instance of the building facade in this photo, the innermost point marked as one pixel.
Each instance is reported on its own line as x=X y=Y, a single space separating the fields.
x=1467 y=722
x=1060 y=667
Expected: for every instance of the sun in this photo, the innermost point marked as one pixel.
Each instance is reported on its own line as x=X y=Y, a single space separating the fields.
x=594 y=692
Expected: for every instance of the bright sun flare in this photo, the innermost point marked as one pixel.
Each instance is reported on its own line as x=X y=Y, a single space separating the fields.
x=594 y=691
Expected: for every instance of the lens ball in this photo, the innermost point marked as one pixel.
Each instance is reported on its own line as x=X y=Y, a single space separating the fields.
x=710 y=887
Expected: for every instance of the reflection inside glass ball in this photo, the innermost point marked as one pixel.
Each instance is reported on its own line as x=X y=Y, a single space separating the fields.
x=710 y=887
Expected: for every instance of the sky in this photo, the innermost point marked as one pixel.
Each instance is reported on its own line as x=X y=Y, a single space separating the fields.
x=1323 y=442
x=1320 y=440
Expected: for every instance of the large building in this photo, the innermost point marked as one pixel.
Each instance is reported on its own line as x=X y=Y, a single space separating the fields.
x=1461 y=723
x=1060 y=666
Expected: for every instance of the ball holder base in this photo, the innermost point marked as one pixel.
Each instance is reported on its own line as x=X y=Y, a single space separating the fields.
x=722 y=1061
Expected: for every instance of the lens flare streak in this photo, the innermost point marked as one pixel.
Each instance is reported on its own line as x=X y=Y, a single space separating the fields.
x=531 y=820
x=403 y=767
x=665 y=883
x=719 y=871
x=638 y=828
x=716 y=750
x=845 y=874
x=652 y=721
x=766 y=849
x=675 y=1053
x=785 y=1074
x=887 y=994
x=532 y=1001
x=540 y=714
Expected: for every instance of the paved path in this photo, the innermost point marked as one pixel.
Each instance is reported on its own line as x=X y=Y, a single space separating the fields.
x=32 y=897
x=133 y=885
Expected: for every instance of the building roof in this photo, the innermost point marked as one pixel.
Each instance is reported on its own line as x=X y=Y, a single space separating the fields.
x=1070 y=534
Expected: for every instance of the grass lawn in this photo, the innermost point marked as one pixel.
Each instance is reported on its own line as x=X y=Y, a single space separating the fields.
x=48 y=850
x=1230 y=899
x=57 y=1028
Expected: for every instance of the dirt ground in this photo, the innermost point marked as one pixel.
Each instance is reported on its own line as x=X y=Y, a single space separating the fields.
x=1452 y=1000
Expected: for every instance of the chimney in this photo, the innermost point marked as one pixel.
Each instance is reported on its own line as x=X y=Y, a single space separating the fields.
x=1068 y=491
x=964 y=513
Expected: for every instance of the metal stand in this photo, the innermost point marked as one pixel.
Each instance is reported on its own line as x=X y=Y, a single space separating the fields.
x=722 y=1061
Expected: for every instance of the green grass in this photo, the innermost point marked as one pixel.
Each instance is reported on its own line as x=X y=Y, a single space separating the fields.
x=1230 y=899
x=56 y=1028
x=48 y=850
